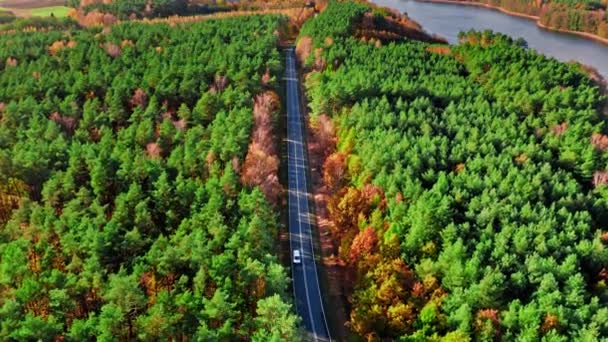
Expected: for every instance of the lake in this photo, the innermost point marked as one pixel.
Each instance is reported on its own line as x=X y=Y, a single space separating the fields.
x=447 y=20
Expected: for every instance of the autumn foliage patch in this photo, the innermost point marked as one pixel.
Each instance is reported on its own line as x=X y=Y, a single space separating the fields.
x=262 y=163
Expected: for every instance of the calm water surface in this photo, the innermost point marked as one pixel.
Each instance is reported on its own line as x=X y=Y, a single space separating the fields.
x=447 y=20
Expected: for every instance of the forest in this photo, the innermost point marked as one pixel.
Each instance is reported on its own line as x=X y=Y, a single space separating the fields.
x=138 y=183
x=467 y=185
x=590 y=17
x=6 y=17
x=587 y=16
x=124 y=9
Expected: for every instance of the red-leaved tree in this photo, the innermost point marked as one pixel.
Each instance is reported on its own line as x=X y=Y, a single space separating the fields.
x=323 y=140
x=334 y=170
x=261 y=165
x=139 y=98
x=599 y=141
x=364 y=244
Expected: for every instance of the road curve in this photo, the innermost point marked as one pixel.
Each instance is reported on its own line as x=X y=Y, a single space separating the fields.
x=307 y=292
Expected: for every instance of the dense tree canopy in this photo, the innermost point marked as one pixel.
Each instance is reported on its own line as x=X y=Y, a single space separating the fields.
x=123 y=215
x=6 y=17
x=139 y=8
x=473 y=203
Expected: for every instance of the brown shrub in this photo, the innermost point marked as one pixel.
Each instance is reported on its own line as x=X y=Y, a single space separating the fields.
x=599 y=141
x=440 y=50
x=113 y=50
x=73 y=13
x=485 y=315
x=56 y=47
x=92 y=18
x=108 y=19
x=55 y=116
x=126 y=43
x=304 y=48
x=153 y=150
x=550 y=322
x=180 y=124
x=560 y=129
x=399 y=197
x=60 y=45
x=373 y=194
x=334 y=170
x=168 y=115
x=68 y=123
x=139 y=98
x=599 y=178
x=11 y=62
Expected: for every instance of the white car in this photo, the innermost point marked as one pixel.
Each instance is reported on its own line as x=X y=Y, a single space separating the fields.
x=297 y=258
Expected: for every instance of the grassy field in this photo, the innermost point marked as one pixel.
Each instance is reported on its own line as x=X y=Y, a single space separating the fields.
x=58 y=11
x=34 y=8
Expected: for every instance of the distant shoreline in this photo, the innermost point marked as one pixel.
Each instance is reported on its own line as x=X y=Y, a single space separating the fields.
x=479 y=4
x=522 y=15
x=577 y=33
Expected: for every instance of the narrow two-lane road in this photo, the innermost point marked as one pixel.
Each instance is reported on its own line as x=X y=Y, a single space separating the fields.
x=308 y=299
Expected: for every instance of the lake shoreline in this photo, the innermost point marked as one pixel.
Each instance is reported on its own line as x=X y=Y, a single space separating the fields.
x=521 y=15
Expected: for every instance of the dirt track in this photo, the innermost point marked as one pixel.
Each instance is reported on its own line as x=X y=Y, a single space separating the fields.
x=29 y=4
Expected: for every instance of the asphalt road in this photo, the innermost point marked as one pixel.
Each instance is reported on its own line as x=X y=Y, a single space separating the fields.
x=309 y=303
